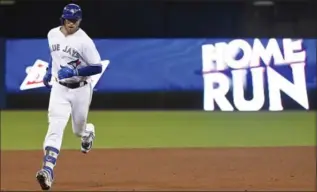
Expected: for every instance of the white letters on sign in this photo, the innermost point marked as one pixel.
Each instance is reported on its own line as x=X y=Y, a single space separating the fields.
x=221 y=56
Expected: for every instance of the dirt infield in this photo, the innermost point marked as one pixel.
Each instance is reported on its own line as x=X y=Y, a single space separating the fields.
x=238 y=169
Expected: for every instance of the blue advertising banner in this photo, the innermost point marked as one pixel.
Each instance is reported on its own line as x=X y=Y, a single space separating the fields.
x=164 y=64
x=2 y=76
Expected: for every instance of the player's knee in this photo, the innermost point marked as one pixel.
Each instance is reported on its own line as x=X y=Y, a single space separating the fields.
x=57 y=115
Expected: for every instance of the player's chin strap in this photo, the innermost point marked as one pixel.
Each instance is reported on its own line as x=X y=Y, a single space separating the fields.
x=89 y=70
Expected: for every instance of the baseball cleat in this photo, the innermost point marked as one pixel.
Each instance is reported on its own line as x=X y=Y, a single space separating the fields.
x=87 y=141
x=44 y=178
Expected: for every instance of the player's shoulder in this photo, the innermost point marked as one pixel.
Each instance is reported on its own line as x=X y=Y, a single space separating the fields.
x=85 y=37
x=53 y=31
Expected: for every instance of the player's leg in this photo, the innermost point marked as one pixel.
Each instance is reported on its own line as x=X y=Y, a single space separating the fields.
x=80 y=107
x=58 y=114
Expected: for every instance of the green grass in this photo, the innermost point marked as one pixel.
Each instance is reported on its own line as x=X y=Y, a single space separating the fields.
x=132 y=129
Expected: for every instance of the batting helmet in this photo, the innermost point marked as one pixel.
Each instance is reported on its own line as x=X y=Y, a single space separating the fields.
x=71 y=12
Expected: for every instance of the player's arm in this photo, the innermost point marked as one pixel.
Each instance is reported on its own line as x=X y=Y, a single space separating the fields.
x=49 y=68
x=48 y=75
x=92 y=57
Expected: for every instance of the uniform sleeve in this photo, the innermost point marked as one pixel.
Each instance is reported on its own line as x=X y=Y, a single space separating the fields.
x=90 y=53
x=50 y=60
x=48 y=42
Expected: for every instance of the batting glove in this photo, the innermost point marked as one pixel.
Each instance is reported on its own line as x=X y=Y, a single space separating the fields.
x=66 y=72
x=47 y=78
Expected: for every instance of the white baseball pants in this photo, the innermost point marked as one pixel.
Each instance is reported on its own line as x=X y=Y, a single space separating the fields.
x=63 y=103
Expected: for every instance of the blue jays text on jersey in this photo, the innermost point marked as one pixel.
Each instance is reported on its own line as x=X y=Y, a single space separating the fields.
x=72 y=52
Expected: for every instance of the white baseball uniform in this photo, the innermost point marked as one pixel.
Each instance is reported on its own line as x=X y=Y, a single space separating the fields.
x=75 y=51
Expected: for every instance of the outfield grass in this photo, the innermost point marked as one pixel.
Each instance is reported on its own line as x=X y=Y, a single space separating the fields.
x=132 y=129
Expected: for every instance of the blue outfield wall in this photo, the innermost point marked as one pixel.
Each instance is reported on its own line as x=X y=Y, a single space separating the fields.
x=2 y=74
x=162 y=65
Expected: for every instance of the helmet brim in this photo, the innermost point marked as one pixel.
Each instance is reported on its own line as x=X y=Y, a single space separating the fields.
x=70 y=17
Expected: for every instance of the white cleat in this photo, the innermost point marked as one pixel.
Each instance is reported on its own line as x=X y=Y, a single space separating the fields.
x=44 y=178
x=88 y=139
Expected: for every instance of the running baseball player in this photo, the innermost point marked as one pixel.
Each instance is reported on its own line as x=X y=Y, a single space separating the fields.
x=74 y=59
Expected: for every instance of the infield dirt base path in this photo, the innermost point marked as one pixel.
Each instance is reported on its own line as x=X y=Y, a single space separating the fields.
x=216 y=169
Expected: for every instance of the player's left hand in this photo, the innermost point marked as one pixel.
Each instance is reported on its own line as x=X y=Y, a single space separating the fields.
x=66 y=72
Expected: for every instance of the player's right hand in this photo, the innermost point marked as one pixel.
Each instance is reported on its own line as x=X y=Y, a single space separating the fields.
x=47 y=78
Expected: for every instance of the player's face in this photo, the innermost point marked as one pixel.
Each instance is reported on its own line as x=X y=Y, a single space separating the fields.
x=71 y=26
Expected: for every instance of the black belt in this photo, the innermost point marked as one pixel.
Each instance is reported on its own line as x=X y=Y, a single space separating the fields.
x=73 y=85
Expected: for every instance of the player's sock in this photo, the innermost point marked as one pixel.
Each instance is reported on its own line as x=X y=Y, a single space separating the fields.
x=50 y=158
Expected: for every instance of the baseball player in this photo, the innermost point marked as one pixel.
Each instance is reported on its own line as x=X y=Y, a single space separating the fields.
x=74 y=59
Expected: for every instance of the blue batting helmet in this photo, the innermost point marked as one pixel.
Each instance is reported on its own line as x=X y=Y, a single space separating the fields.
x=72 y=12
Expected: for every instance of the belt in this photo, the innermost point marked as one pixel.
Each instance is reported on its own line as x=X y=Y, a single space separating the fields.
x=73 y=85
